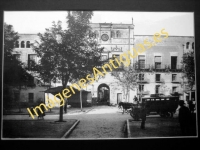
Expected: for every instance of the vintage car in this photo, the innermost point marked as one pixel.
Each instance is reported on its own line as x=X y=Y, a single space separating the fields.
x=165 y=106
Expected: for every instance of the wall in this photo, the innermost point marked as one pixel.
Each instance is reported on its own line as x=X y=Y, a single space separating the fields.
x=173 y=45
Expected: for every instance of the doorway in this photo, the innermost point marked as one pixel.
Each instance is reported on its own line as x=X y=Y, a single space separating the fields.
x=103 y=95
x=119 y=97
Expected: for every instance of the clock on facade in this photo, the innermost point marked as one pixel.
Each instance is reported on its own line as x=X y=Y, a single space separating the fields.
x=104 y=37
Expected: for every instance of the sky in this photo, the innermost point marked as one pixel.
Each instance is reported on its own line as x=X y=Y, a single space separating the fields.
x=146 y=23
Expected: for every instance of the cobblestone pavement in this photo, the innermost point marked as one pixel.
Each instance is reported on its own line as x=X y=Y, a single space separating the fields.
x=102 y=122
x=96 y=122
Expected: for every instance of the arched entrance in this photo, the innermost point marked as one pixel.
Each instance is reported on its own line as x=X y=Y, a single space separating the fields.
x=103 y=94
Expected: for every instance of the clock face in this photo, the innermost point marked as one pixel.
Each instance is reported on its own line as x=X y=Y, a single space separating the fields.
x=104 y=37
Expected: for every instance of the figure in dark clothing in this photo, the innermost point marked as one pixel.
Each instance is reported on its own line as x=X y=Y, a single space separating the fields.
x=143 y=116
x=191 y=106
x=40 y=114
x=135 y=99
x=184 y=118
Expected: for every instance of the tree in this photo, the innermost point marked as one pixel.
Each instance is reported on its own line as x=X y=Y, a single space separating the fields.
x=189 y=72
x=14 y=75
x=127 y=77
x=68 y=55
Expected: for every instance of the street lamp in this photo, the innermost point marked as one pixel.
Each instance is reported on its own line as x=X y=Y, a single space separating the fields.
x=81 y=98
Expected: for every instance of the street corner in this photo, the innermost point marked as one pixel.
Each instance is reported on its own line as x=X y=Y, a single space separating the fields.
x=66 y=135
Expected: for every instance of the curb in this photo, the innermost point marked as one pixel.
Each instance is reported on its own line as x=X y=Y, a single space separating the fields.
x=128 y=128
x=71 y=129
x=89 y=110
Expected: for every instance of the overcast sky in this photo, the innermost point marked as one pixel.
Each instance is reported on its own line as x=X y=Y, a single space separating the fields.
x=146 y=23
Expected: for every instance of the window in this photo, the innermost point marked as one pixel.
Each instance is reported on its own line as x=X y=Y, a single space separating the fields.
x=157 y=62
x=141 y=60
x=157 y=89
x=141 y=77
x=30 y=97
x=118 y=34
x=115 y=63
x=104 y=57
x=174 y=89
x=96 y=34
x=28 y=45
x=17 y=44
x=174 y=77
x=187 y=45
x=141 y=88
x=173 y=62
x=31 y=60
x=22 y=44
x=112 y=34
x=157 y=77
x=17 y=56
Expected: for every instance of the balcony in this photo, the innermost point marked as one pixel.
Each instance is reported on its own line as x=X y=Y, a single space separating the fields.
x=143 y=93
x=176 y=93
x=176 y=81
x=145 y=80
x=160 y=81
x=159 y=68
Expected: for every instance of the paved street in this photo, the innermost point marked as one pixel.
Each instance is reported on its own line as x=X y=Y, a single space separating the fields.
x=99 y=122
x=102 y=122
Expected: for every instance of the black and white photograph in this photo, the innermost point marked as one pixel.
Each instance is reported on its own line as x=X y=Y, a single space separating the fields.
x=98 y=74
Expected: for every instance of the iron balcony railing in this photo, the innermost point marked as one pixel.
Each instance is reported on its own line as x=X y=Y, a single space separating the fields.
x=158 y=67
x=176 y=92
x=143 y=92
x=176 y=81
x=161 y=80
x=143 y=80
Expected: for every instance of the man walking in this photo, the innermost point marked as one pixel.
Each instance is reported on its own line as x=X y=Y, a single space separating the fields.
x=143 y=115
x=184 y=118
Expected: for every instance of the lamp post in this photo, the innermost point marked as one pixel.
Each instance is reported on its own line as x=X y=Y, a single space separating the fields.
x=81 y=98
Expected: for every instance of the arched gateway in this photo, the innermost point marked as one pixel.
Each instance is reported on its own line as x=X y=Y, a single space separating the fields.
x=103 y=94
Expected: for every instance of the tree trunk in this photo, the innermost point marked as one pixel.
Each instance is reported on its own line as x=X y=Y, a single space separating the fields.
x=61 y=107
x=61 y=113
x=19 y=100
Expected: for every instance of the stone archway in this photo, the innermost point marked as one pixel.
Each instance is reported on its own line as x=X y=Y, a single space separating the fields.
x=103 y=94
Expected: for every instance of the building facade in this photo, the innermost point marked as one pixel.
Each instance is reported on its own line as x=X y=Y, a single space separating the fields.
x=160 y=69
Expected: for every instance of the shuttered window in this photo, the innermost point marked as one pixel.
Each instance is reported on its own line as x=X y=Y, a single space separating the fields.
x=141 y=60
x=157 y=62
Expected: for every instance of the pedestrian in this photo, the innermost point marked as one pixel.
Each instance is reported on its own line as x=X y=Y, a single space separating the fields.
x=135 y=99
x=184 y=118
x=143 y=116
x=191 y=106
x=41 y=114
